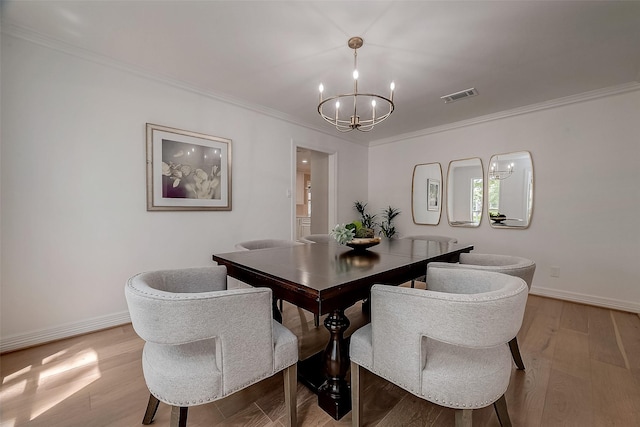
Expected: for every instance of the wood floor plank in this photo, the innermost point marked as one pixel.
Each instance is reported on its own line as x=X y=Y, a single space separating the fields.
x=603 y=345
x=96 y=380
x=540 y=338
x=574 y=317
x=379 y=397
x=572 y=353
x=568 y=401
x=250 y=416
x=628 y=325
x=527 y=392
x=236 y=402
x=412 y=411
x=616 y=396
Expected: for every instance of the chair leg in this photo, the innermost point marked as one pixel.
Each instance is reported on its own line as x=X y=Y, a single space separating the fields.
x=152 y=407
x=356 y=395
x=290 y=388
x=464 y=417
x=179 y=416
x=500 y=406
x=515 y=352
x=413 y=283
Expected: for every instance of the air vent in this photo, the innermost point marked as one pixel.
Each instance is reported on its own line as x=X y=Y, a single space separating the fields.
x=459 y=95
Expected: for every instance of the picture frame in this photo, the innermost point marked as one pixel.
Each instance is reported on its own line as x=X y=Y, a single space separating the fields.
x=433 y=194
x=187 y=171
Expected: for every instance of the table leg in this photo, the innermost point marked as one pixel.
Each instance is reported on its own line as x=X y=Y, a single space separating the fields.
x=334 y=395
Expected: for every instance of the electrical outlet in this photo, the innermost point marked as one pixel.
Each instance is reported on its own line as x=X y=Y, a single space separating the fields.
x=555 y=271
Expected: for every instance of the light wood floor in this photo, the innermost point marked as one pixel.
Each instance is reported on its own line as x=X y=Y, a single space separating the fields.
x=583 y=369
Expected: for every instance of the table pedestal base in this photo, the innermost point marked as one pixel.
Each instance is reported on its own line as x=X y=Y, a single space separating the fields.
x=335 y=405
x=325 y=372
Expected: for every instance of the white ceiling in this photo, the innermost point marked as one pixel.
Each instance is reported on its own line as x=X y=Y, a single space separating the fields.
x=271 y=55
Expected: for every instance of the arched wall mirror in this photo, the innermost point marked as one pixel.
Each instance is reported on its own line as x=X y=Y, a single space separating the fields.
x=510 y=190
x=426 y=193
x=465 y=191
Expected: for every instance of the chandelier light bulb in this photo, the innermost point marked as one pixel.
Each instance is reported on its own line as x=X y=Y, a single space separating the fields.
x=337 y=105
x=373 y=103
x=321 y=88
x=355 y=74
x=392 y=86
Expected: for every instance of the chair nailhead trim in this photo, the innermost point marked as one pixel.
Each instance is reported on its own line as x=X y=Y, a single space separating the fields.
x=215 y=397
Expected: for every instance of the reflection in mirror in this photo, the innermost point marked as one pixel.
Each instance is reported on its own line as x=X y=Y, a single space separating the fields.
x=465 y=192
x=510 y=190
x=426 y=193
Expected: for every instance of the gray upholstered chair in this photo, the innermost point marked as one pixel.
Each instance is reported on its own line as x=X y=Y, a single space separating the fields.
x=441 y=240
x=506 y=264
x=316 y=238
x=204 y=342
x=447 y=345
x=251 y=245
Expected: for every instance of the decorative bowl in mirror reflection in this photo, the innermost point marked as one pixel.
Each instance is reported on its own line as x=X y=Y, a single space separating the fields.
x=363 y=243
x=498 y=219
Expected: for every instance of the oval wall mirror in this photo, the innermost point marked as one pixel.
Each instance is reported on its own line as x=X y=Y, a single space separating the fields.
x=426 y=193
x=465 y=191
x=510 y=190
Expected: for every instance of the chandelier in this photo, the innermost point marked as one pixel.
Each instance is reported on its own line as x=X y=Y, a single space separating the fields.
x=495 y=173
x=340 y=119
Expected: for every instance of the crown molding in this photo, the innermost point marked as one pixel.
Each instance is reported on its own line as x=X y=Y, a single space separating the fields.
x=40 y=39
x=32 y=36
x=559 y=102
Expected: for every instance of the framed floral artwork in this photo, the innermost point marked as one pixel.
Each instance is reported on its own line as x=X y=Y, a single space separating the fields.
x=187 y=171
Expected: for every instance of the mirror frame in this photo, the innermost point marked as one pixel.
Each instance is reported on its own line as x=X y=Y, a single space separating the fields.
x=420 y=195
x=450 y=188
x=532 y=190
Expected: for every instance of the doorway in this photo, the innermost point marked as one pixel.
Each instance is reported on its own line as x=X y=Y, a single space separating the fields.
x=315 y=191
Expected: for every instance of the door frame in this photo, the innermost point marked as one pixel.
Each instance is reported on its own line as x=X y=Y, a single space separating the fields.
x=332 y=182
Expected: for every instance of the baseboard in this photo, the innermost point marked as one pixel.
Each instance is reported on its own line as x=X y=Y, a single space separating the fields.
x=615 y=304
x=17 y=342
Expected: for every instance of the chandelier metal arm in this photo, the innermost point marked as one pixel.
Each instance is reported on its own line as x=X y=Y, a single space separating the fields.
x=354 y=121
x=361 y=125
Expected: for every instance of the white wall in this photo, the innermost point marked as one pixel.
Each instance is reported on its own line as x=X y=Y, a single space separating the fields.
x=74 y=220
x=586 y=160
x=74 y=224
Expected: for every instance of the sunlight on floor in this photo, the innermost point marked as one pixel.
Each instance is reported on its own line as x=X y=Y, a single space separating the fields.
x=80 y=360
x=86 y=361
x=16 y=374
x=60 y=376
x=13 y=390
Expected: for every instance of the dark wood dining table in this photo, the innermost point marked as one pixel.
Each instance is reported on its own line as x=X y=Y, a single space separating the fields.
x=328 y=278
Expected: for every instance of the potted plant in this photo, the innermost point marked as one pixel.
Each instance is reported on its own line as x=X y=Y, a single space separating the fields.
x=386 y=227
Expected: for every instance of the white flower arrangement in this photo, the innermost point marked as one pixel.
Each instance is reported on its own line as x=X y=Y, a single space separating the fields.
x=342 y=234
